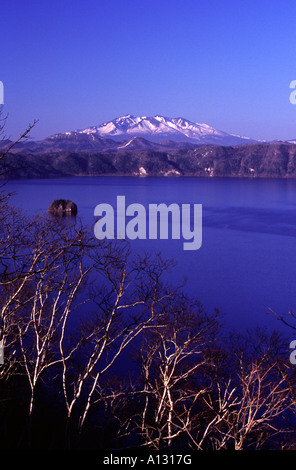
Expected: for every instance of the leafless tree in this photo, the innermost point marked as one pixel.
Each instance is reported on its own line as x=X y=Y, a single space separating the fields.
x=246 y=407
x=9 y=145
x=175 y=360
x=11 y=237
x=52 y=268
x=127 y=301
x=48 y=292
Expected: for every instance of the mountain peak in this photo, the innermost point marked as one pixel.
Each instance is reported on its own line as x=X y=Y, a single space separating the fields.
x=159 y=128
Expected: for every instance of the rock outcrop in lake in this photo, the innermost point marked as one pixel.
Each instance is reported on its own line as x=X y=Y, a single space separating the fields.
x=63 y=207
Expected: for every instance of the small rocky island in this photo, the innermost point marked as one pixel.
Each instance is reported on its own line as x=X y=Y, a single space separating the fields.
x=62 y=207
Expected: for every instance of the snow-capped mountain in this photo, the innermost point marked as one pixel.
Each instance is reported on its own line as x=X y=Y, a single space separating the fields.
x=160 y=128
x=129 y=132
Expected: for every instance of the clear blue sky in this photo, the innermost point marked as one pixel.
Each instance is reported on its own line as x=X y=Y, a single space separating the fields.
x=73 y=64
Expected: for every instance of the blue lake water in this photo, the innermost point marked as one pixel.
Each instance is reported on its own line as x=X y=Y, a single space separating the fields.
x=247 y=262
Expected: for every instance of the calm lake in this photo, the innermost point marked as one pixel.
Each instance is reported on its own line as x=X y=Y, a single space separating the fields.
x=247 y=262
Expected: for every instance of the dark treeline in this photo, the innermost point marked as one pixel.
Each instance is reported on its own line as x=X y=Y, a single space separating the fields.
x=262 y=160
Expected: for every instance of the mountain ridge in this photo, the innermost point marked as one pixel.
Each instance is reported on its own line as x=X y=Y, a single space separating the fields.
x=261 y=160
x=157 y=133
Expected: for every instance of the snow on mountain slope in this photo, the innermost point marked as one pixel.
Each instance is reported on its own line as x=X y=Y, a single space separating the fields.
x=159 y=128
x=129 y=132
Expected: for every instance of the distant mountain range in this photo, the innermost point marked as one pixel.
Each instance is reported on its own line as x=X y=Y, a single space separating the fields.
x=144 y=146
x=134 y=133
